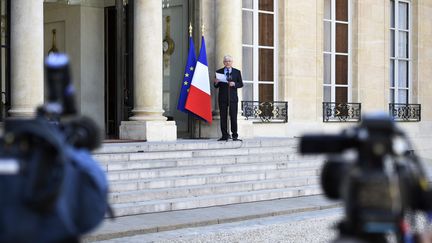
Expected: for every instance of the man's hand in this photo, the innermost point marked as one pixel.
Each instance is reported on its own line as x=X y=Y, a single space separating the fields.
x=216 y=80
x=232 y=84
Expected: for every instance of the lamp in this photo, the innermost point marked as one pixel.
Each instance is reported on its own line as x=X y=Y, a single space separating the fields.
x=165 y=3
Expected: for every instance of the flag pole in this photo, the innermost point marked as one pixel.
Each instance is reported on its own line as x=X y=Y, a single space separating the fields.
x=190 y=118
x=199 y=121
x=199 y=132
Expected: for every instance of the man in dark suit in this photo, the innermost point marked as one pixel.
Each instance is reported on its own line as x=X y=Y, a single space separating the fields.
x=228 y=97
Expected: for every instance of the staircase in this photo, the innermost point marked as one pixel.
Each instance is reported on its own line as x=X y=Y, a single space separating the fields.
x=156 y=177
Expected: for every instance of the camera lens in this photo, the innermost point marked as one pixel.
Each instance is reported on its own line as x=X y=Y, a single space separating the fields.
x=332 y=176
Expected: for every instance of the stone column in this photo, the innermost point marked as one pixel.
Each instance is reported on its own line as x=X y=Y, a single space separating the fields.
x=422 y=32
x=229 y=33
x=229 y=42
x=26 y=57
x=303 y=40
x=147 y=122
x=372 y=55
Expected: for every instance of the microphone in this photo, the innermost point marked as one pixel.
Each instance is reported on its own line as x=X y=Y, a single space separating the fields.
x=317 y=144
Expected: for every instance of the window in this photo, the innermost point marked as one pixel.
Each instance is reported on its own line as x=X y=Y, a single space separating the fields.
x=400 y=52
x=337 y=51
x=259 y=50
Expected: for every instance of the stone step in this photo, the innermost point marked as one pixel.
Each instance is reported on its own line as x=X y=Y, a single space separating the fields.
x=243 y=151
x=141 y=156
x=212 y=200
x=289 y=159
x=202 y=190
x=192 y=144
x=192 y=154
x=266 y=157
x=198 y=170
x=157 y=177
x=196 y=180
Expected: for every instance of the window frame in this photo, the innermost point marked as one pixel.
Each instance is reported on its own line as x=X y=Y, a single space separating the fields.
x=256 y=48
x=394 y=98
x=333 y=86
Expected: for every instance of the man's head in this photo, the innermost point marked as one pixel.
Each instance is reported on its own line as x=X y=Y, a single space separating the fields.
x=228 y=61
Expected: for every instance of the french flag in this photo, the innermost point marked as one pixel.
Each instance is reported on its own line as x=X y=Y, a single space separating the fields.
x=199 y=99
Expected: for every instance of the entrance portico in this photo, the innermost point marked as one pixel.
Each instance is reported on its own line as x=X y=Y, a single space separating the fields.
x=27 y=50
x=80 y=33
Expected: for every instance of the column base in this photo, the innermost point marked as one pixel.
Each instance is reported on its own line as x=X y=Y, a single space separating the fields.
x=149 y=130
x=22 y=112
x=204 y=130
x=245 y=129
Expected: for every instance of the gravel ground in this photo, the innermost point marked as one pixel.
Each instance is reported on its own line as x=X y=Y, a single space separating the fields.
x=303 y=227
x=309 y=227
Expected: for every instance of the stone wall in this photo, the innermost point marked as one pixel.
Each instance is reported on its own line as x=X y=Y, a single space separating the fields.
x=84 y=43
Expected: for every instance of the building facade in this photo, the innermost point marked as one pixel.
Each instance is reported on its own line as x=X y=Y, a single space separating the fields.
x=314 y=65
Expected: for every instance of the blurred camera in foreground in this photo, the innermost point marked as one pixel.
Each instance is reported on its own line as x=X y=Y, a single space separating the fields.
x=380 y=185
x=51 y=188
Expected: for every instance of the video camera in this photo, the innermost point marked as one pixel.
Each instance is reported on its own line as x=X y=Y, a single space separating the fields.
x=382 y=183
x=51 y=188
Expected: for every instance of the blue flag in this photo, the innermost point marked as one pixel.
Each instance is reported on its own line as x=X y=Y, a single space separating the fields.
x=187 y=78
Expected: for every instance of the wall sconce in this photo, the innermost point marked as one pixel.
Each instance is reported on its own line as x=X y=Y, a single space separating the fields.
x=165 y=3
x=3 y=24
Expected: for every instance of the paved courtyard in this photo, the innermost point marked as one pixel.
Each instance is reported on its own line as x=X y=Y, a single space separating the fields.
x=308 y=227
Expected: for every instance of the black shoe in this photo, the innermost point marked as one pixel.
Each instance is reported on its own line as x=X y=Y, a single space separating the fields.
x=223 y=139
x=237 y=139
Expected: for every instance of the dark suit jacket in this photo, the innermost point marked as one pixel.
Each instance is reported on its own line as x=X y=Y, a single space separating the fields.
x=223 y=87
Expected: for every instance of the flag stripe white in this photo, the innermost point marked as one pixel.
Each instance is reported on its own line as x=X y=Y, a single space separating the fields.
x=201 y=78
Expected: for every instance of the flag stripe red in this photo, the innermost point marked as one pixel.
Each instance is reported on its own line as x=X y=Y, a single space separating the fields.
x=199 y=103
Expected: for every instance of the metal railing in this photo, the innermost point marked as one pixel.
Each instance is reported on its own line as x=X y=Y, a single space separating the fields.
x=405 y=112
x=266 y=112
x=341 y=112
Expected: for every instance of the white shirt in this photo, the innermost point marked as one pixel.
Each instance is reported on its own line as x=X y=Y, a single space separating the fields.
x=229 y=70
